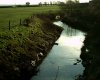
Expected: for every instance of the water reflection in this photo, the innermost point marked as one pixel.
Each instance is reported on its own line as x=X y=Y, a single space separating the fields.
x=70 y=37
x=63 y=56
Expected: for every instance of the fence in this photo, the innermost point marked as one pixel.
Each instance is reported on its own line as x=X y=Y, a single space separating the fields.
x=8 y=24
x=12 y=23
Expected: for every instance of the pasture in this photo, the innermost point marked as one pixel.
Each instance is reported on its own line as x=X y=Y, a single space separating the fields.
x=15 y=14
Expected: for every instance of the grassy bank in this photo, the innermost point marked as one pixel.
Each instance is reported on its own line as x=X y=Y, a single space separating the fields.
x=20 y=47
x=17 y=13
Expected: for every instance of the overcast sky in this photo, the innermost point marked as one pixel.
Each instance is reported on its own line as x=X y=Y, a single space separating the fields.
x=31 y=1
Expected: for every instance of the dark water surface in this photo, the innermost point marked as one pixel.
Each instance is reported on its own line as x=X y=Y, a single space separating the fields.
x=58 y=65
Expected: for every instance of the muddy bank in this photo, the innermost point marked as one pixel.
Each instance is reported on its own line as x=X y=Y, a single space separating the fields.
x=90 y=51
x=23 y=48
x=88 y=20
x=90 y=55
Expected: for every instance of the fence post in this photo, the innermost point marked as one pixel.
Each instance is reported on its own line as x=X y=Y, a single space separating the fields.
x=20 y=22
x=31 y=16
x=9 y=25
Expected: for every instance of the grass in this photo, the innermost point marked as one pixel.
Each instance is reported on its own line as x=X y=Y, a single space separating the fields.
x=20 y=46
x=15 y=14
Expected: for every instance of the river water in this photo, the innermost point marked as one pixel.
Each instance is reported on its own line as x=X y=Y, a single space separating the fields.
x=58 y=65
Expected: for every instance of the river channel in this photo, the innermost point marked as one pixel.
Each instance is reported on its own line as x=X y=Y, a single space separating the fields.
x=60 y=62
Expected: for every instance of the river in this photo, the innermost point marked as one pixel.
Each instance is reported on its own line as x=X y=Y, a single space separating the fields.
x=58 y=65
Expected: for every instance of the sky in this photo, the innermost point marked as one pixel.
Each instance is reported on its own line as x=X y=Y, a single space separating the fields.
x=31 y=1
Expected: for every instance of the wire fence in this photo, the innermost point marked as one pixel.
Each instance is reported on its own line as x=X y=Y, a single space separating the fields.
x=11 y=24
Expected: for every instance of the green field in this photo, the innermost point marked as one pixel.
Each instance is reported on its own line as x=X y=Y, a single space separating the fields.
x=15 y=14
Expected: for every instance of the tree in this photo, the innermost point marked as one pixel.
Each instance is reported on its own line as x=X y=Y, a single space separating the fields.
x=76 y=1
x=70 y=6
x=95 y=10
x=95 y=6
x=62 y=3
x=45 y=3
x=51 y=3
x=40 y=4
x=27 y=3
